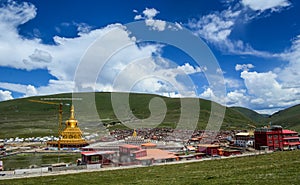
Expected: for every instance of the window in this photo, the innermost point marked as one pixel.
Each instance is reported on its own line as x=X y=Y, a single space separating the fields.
x=275 y=136
x=270 y=142
x=269 y=136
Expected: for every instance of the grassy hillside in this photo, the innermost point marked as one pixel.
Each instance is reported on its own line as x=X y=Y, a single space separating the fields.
x=23 y=118
x=260 y=119
x=288 y=118
x=276 y=168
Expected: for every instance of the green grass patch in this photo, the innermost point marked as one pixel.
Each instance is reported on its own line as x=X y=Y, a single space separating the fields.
x=276 y=168
x=38 y=159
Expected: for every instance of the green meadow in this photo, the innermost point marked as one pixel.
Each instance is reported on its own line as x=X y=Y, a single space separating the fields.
x=276 y=168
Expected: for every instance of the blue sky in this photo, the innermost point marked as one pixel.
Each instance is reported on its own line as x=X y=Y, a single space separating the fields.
x=256 y=44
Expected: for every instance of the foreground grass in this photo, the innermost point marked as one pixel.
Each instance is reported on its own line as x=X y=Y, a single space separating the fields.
x=277 y=168
x=26 y=160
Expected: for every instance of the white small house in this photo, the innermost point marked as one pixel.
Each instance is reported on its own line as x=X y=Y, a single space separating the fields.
x=244 y=139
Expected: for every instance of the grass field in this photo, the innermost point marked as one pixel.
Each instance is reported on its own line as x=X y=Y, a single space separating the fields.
x=38 y=159
x=29 y=119
x=276 y=168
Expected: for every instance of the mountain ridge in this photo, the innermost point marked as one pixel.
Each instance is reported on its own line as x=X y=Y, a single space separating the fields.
x=23 y=118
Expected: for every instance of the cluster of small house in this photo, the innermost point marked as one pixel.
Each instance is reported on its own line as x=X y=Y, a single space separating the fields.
x=146 y=154
x=136 y=151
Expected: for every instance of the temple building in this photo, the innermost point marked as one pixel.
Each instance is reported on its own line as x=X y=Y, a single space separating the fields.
x=71 y=136
x=276 y=138
x=134 y=139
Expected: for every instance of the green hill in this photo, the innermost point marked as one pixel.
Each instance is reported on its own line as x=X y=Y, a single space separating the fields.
x=288 y=118
x=256 y=117
x=23 y=118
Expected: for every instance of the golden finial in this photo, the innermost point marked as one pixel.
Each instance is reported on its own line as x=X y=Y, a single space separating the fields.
x=72 y=116
x=134 y=133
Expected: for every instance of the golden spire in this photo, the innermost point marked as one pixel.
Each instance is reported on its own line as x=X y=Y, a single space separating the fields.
x=71 y=122
x=72 y=116
x=134 y=133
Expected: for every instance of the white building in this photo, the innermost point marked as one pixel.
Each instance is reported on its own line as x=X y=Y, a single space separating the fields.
x=244 y=139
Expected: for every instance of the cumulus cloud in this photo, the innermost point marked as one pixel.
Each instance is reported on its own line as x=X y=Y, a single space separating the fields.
x=40 y=56
x=5 y=95
x=237 y=98
x=13 y=14
x=273 y=90
x=243 y=67
x=216 y=27
x=289 y=75
x=273 y=5
x=267 y=92
x=148 y=15
x=189 y=69
x=63 y=58
x=150 y=12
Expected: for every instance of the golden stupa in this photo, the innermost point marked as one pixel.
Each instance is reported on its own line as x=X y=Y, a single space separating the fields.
x=71 y=136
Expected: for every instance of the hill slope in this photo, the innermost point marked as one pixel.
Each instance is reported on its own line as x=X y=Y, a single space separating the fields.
x=288 y=118
x=23 y=118
x=256 y=117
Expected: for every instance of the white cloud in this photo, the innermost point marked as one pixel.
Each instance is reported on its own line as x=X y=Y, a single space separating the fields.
x=53 y=87
x=237 y=98
x=5 y=95
x=138 y=17
x=40 y=56
x=27 y=90
x=13 y=14
x=62 y=59
x=188 y=69
x=243 y=67
x=266 y=91
x=150 y=12
x=158 y=25
x=209 y=94
x=216 y=28
x=232 y=83
x=262 y=5
x=149 y=15
x=290 y=75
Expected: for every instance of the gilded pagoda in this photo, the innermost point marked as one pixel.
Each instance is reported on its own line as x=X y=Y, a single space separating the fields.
x=71 y=136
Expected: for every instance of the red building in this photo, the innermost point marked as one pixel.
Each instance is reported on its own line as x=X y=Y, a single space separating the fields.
x=127 y=154
x=209 y=149
x=97 y=157
x=275 y=138
x=290 y=139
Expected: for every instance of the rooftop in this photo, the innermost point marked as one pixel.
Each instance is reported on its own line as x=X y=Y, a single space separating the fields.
x=97 y=153
x=289 y=132
x=157 y=154
x=148 y=144
x=208 y=145
x=130 y=146
x=243 y=134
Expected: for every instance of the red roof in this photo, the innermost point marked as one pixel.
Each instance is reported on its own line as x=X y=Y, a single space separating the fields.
x=148 y=144
x=91 y=153
x=138 y=151
x=294 y=137
x=157 y=154
x=130 y=146
x=289 y=132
